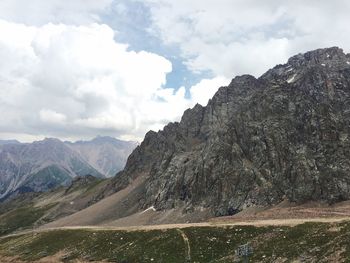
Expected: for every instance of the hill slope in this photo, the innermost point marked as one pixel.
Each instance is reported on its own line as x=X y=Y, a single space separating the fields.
x=28 y=210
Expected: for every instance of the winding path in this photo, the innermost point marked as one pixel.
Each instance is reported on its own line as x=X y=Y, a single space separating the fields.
x=187 y=243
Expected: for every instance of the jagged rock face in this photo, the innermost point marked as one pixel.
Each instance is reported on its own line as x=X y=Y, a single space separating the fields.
x=257 y=142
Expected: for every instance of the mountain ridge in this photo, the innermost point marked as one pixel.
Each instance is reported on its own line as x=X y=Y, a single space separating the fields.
x=257 y=142
x=107 y=154
x=45 y=164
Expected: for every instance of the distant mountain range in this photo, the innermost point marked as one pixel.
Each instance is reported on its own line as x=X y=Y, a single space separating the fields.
x=2 y=142
x=106 y=154
x=45 y=164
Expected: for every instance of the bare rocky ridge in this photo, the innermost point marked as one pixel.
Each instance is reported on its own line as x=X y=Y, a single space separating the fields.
x=283 y=136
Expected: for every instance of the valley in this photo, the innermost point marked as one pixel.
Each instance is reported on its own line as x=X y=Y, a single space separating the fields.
x=265 y=162
x=161 y=131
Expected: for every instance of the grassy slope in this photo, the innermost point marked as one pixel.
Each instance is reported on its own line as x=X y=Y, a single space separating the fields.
x=23 y=213
x=312 y=242
x=21 y=218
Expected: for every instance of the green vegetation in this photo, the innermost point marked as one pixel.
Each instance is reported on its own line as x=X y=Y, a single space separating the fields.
x=20 y=218
x=26 y=210
x=116 y=246
x=309 y=242
x=93 y=186
x=211 y=244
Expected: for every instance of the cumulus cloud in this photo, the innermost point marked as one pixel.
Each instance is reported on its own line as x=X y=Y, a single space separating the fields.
x=75 y=81
x=231 y=37
x=64 y=73
x=39 y=12
x=206 y=88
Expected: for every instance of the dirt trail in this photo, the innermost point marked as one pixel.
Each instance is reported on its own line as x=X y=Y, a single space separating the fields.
x=281 y=222
x=226 y=223
x=187 y=243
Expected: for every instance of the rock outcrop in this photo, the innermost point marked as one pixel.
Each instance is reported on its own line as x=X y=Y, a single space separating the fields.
x=285 y=135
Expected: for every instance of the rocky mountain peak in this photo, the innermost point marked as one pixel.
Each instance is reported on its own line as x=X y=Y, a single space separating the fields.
x=105 y=153
x=330 y=56
x=326 y=62
x=243 y=80
x=49 y=141
x=258 y=141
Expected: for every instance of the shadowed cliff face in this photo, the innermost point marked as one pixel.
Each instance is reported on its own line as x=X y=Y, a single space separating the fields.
x=257 y=142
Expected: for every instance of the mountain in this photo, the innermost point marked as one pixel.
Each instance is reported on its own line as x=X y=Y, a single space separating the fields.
x=106 y=154
x=280 y=139
x=32 y=209
x=2 y=142
x=258 y=141
x=40 y=166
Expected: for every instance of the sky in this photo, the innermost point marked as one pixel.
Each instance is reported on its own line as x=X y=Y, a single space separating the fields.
x=80 y=68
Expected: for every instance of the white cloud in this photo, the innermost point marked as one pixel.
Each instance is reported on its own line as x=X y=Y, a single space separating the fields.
x=39 y=12
x=50 y=116
x=76 y=81
x=231 y=37
x=206 y=88
x=64 y=74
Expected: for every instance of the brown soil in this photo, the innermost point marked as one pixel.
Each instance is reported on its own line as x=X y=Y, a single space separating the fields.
x=289 y=212
x=108 y=208
x=96 y=216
